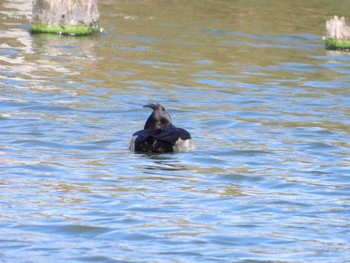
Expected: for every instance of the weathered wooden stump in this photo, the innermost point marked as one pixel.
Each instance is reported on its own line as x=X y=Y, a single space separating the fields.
x=68 y=17
x=338 y=34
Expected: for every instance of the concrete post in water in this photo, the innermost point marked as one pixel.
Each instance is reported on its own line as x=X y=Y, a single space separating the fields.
x=69 y=17
x=338 y=34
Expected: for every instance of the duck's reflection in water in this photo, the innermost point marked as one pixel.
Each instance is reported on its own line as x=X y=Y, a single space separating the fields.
x=161 y=162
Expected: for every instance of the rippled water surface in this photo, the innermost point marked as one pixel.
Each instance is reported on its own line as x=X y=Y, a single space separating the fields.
x=267 y=106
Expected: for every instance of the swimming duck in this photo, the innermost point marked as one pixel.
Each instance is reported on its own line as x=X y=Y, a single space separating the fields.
x=160 y=135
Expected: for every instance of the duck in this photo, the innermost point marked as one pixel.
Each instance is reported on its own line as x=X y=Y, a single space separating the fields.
x=159 y=135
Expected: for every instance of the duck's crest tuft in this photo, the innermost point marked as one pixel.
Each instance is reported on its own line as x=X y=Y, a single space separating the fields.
x=153 y=106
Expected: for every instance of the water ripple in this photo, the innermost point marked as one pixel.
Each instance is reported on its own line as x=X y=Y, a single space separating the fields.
x=266 y=105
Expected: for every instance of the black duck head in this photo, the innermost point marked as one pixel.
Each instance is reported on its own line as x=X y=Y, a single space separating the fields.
x=159 y=117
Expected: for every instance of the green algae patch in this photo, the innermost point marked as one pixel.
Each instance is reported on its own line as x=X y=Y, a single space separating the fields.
x=71 y=30
x=337 y=44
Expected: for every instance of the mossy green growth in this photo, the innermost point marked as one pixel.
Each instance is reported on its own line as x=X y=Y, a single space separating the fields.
x=337 y=44
x=72 y=30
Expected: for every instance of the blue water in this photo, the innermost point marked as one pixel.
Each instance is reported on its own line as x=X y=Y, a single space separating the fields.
x=269 y=113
